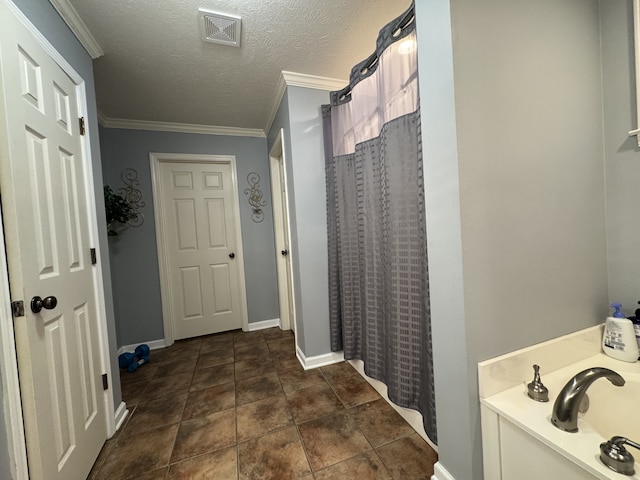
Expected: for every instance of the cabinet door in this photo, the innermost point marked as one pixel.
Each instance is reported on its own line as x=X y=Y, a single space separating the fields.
x=525 y=458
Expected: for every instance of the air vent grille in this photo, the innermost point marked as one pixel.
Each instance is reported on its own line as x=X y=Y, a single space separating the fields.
x=220 y=28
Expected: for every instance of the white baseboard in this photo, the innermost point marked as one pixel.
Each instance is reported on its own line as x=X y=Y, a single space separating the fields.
x=121 y=415
x=153 y=345
x=156 y=344
x=318 y=360
x=440 y=473
x=412 y=417
x=275 y=322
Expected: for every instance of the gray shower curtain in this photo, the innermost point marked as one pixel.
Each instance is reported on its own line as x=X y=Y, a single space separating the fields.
x=378 y=271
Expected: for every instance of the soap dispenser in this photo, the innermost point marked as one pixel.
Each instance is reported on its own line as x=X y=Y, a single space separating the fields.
x=636 y=324
x=619 y=338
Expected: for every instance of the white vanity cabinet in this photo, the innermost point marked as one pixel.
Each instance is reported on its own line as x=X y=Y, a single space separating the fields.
x=519 y=442
x=510 y=453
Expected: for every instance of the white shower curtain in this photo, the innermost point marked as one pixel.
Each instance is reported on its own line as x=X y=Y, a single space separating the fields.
x=378 y=271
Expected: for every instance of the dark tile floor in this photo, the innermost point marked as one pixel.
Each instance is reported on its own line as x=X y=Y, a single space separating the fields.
x=239 y=406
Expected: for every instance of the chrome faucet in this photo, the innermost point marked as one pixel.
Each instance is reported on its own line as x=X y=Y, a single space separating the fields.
x=615 y=456
x=565 y=408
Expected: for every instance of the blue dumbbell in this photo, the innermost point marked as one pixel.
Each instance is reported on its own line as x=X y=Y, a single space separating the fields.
x=134 y=366
x=142 y=350
x=126 y=359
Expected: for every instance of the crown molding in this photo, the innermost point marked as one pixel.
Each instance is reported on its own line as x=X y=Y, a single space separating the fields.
x=178 y=127
x=292 y=79
x=280 y=89
x=102 y=118
x=78 y=27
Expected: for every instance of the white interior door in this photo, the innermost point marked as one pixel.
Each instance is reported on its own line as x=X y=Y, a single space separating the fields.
x=45 y=209
x=281 y=229
x=200 y=223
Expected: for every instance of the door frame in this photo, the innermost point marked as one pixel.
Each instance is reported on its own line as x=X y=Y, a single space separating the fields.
x=155 y=160
x=8 y=361
x=277 y=161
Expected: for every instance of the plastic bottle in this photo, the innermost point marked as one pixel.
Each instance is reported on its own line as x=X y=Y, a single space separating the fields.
x=619 y=338
x=636 y=325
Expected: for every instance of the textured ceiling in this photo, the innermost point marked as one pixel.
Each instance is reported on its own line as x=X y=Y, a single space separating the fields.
x=156 y=67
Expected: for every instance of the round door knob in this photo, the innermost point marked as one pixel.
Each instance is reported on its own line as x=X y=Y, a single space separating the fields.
x=48 y=303
x=232 y=255
x=284 y=253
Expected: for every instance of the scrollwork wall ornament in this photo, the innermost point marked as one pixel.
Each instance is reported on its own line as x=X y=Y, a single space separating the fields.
x=132 y=194
x=255 y=197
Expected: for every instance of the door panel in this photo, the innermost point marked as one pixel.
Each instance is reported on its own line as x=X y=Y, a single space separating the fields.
x=72 y=213
x=217 y=223
x=44 y=201
x=186 y=224
x=57 y=361
x=200 y=247
x=221 y=277
x=191 y=292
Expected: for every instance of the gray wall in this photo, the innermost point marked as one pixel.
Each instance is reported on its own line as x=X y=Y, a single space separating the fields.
x=453 y=377
x=282 y=121
x=134 y=258
x=309 y=191
x=300 y=114
x=49 y=23
x=528 y=244
x=621 y=152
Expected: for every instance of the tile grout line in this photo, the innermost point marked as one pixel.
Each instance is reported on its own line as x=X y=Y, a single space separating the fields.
x=348 y=411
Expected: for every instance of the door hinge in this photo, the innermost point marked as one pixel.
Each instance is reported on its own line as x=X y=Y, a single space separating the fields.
x=105 y=381
x=94 y=258
x=82 y=127
x=17 y=308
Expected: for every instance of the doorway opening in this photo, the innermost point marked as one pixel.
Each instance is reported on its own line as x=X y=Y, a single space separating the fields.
x=282 y=229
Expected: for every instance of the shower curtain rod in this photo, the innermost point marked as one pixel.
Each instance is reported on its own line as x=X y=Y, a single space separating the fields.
x=365 y=68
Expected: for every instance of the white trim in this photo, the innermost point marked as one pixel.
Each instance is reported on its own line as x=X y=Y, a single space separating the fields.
x=281 y=88
x=292 y=281
x=102 y=118
x=277 y=160
x=412 y=417
x=156 y=186
x=318 y=360
x=78 y=27
x=12 y=408
x=162 y=263
x=440 y=473
x=98 y=279
x=274 y=322
x=153 y=345
x=126 y=124
x=293 y=79
x=121 y=414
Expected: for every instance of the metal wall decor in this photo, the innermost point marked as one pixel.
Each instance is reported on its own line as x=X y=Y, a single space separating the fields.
x=132 y=194
x=255 y=197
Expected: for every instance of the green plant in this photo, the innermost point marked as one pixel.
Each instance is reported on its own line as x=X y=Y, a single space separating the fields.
x=118 y=209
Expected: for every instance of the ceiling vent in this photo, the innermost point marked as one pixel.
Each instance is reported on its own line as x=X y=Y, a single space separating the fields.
x=220 y=27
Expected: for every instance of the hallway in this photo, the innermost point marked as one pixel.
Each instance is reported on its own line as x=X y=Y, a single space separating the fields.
x=239 y=406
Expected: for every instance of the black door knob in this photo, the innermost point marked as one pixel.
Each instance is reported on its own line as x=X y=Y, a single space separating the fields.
x=284 y=253
x=37 y=303
x=232 y=255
